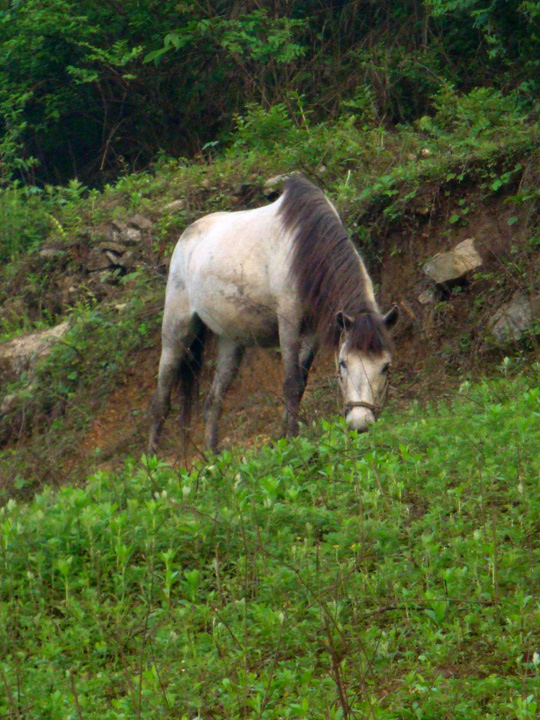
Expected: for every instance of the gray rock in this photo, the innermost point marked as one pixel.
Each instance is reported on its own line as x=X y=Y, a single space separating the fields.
x=514 y=318
x=97 y=260
x=175 y=206
x=50 y=253
x=119 y=226
x=8 y=403
x=453 y=265
x=127 y=260
x=22 y=353
x=140 y=222
x=113 y=246
x=113 y=257
x=429 y=296
x=131 y=236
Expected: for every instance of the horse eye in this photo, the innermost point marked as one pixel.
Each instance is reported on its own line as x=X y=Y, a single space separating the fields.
x=342 y=365
x=385 y=368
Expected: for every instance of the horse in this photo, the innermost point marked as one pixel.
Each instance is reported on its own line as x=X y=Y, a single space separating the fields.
x=283 y=275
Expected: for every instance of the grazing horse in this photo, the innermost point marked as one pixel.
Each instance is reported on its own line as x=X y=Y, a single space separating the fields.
x=285 y=275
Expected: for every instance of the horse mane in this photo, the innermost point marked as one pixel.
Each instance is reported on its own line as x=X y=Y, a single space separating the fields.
x=328 y=270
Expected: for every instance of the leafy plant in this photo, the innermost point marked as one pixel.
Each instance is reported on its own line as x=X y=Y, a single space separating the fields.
x=387 y=575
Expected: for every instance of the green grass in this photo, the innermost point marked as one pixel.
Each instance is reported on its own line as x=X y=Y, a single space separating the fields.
x=394 y=575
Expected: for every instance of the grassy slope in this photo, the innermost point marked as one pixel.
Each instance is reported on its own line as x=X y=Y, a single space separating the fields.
x=394 y=575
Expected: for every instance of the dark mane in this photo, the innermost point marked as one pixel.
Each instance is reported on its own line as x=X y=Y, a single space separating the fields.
x=368 y=333
x=328 y=269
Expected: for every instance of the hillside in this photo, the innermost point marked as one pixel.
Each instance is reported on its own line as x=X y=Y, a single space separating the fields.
x=100 y=262
x=119 y=129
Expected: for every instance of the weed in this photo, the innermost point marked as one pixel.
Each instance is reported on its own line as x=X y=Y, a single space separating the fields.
x=388 y=577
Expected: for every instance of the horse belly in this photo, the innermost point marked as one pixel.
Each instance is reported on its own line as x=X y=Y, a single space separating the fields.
x=234 y=273
x=231 y=310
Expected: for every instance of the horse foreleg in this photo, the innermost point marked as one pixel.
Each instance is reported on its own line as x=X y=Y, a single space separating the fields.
x=229 y=359
x=294 y=377
x=310 y=346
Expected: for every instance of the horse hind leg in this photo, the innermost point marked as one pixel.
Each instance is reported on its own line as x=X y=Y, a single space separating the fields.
x=230 y=354
x=177 y=339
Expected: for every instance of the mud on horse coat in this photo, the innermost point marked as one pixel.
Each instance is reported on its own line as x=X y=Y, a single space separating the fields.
x=285 y=275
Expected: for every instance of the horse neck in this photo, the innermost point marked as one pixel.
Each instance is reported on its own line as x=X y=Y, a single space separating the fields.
x=369 y=303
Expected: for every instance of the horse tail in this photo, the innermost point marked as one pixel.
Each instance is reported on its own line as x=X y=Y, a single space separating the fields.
x=189 y=372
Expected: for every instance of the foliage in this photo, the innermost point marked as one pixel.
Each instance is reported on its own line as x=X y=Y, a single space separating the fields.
x=99 y=88
x=389 y=576
x=23 y=221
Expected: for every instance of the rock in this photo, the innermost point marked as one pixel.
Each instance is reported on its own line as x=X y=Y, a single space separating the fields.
x=175 y=206
x=141 y=223
x=274 y=185
x=21 y=354
x=448 y=267
x=100 y=233
x=514 y=318
x=114 y=247
x=119 y=226
x=131 y=236
x=8 y=403
x=245 y=189
x=97 y=260
x=429 y=297
x=50 y=253
x=113 y=257
x=127 y=260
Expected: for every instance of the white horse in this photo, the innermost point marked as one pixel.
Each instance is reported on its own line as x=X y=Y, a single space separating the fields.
x=285 y=274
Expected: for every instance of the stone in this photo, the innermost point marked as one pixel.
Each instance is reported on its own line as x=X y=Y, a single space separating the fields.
x=127 y=260
x=448 y=267
x=140 y=222
x=113 y=257
x=514 y=318
x=429 y=297
x=113 y=246
x=174 y=206
x=119 y=226
x=50 y=253
x=8 y=403
x=132 y=236
x=22 y=353
x=96 y=260
x=101 y=233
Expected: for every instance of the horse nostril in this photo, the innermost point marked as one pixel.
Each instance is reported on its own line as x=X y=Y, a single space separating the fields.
x=359 y=427
x=360 y=430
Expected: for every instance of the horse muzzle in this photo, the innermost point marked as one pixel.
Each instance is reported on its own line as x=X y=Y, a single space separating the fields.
x=360 y=415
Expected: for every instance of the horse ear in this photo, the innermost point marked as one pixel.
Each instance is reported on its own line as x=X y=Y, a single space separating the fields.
x=344 y=321
x=391 y=317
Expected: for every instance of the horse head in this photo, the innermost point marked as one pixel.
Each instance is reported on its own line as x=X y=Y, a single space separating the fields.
x=363 y=361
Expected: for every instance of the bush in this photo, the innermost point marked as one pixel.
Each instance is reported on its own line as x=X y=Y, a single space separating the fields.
x=24 y=221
